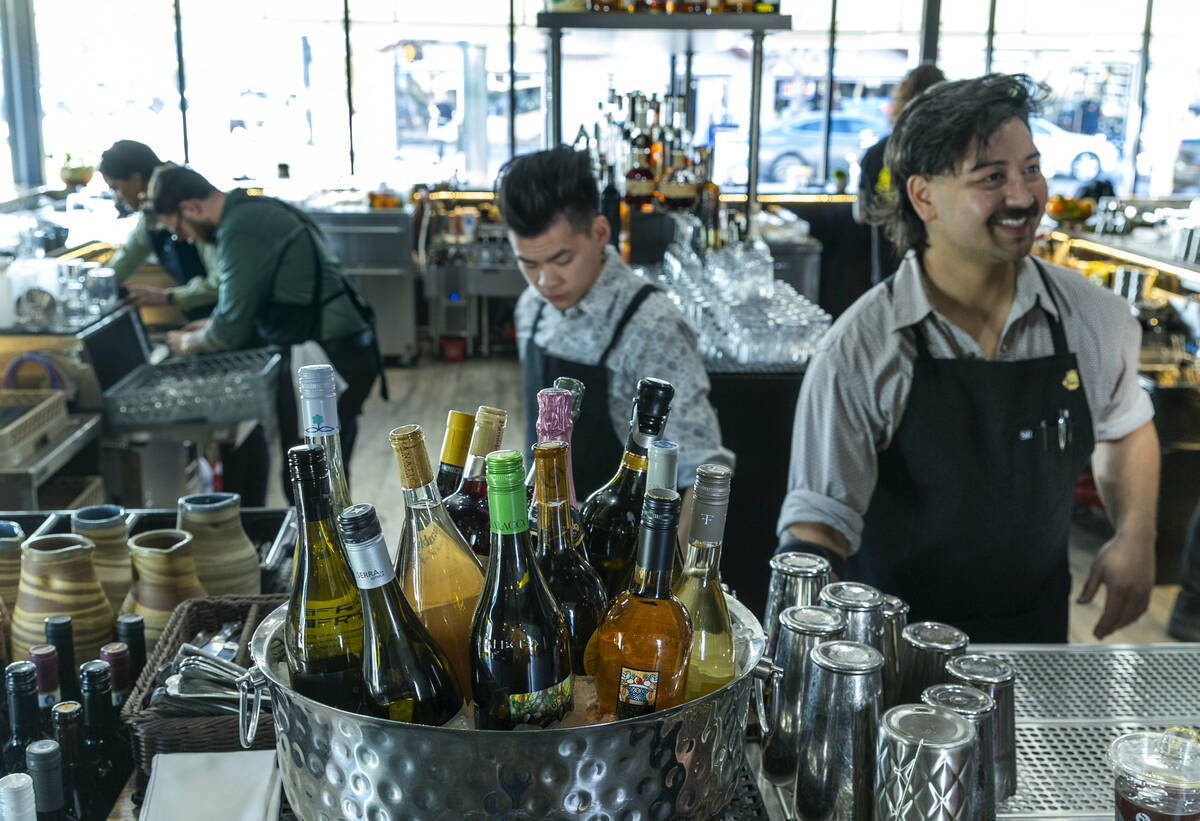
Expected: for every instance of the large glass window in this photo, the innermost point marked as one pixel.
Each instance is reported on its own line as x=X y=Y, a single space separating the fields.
x=106 y=74
x=1169 y=157
x=962 y=38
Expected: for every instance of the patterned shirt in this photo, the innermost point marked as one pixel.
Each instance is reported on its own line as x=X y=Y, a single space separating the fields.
x=857 y=385
x=656 y=342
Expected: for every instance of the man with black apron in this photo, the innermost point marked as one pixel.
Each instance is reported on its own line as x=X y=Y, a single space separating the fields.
x=948 y=413
x=586 y=315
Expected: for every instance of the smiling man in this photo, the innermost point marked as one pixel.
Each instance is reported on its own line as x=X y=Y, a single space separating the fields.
x=944 y=421
x=587 y=316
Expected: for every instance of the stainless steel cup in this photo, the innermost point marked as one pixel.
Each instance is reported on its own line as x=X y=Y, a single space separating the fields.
x=996 y=678
x=796 y=580
x=978 y=708
x=895 y=618
x=925 y=766
x=925 y=647
x=803 y=628
x=837 y=733
x=863 y=607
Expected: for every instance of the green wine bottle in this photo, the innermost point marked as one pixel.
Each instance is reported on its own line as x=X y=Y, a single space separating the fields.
x=520 y=651
x=406 y=676
x=325 y=630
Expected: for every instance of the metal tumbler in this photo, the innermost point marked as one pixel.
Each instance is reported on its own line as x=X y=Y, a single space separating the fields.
x=803 y=629
x=837 y=733
x=796 y=581
x=978 y=708
x=925 y=766
x=925 y=647
x=895 y=618
x=996 y=678
x=863 y=606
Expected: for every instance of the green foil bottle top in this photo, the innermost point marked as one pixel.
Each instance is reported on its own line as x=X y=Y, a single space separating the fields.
x=507 y=502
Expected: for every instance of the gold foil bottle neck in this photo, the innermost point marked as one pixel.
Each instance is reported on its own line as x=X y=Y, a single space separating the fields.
x=458 y=437
x=489 y=430
x=551 y=461
x=409 y=443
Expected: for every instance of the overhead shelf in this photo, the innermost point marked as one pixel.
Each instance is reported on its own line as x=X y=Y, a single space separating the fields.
x=665 y=22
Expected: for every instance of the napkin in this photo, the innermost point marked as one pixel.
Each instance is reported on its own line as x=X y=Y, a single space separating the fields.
x=239 y=786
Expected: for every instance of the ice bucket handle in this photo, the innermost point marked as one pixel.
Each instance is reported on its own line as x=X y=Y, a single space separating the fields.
x=763 y=671
x=250 y=684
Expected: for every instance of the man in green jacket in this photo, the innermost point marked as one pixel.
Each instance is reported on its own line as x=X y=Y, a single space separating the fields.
x=279 y=285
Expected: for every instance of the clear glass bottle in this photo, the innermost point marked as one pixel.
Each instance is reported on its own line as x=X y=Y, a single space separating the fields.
x=710 y=664
x=708 y=202
x=318 y=410
x=459 y=425
x=468 y=506
x=440 y=575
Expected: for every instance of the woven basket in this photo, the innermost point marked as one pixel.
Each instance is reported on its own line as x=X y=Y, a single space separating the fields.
x=152 y=733
x=21 y=437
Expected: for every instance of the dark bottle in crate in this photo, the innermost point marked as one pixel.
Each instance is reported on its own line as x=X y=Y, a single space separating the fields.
x=325 y=629
x=61 y=633
x=45 y=659
x=20 y=680
x=116 y=653
x=131 y=629
x=45 y=767
x=77 y=780
x=106 y=756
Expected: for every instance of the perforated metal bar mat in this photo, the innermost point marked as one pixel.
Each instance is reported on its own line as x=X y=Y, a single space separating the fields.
x=205 y=367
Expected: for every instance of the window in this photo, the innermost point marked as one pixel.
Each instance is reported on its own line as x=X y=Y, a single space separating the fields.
x=962 y=38
x=1168 y=159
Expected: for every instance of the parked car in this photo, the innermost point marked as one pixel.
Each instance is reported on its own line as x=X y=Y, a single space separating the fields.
x=1067 y=154
x=1187 y=166
x=797 y=142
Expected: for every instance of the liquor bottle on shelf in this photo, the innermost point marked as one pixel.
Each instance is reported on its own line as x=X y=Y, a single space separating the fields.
x=716 y=6
x=441 y=577
x=43 y=760
x=687 y=6
x=710 y=664
x=20 y=682
x=520 y=651
x=116 y=653
x=68 y=731
x=572 y=581
x=406 y=676
x=324 y=632
x=454 y=451
x=708 y=203
x=679 y=186
x=610 y=205
x=645 y=638
x=639 y=182
x=45 y=660
x=612 y=513
x=131 y=629
x=318 y=409
x=61 y=633
x=468 y=506
x=107 y=759
x=605 y=6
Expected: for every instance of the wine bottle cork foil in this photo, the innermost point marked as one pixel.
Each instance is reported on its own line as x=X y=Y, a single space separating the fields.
x=409 y=443
x=551 y=459
x=459 y=425
x=489 y=430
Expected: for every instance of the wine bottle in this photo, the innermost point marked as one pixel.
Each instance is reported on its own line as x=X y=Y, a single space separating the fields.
x=406 y=676
x=710 y=664
x=61 y=633
x=441 y=577
x=20 y=682
x=610 y=205
x=454 y=451
x=468 y=506
x=108 y=760
x=554 y=424
x=324 y=632
x=44 y=764
x=45 y=660
x=131 y=629
x=318 y=410
x=611 y=514
x=16 y=798
x=662 y=472
x=68 y=731
x=572 y=581
x=646 y=636
x=117 y=656
x=576 y=389
x=520 y=652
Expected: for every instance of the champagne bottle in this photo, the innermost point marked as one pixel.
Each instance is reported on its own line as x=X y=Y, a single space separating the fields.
x=454 y=451
x=20 y=681
x=68 y=731
x=441 y=577
x=572 y=581
x=406 y=676
x=645 y=638
x=45 y=660
x=710 y=664
x=576 y=389
x=44 y=764
x=520 y=653
x=555 y=424
x=61 y=633
x=324 y=632
x=131 y=629
x=468 y=506
x=611 y=514
x=107 y=759
x=318 y=409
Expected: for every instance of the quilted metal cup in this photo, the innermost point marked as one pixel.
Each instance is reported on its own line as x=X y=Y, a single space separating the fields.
x=677 y=763
x=925 y=766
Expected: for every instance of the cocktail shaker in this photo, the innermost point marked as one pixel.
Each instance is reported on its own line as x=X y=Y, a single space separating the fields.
x=996 y=678
x=863 y=607
x=796 y=581
x=895 y=619
x=978 y=708
x=925 y=647
x=925 y=766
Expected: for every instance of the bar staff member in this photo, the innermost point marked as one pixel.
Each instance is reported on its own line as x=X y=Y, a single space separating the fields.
x=943 y=423
x=587 y=316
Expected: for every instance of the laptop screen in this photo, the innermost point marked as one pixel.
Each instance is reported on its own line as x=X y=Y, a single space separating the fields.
x=116 y=346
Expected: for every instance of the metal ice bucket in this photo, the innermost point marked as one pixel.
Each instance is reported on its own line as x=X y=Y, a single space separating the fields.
x=680 y=763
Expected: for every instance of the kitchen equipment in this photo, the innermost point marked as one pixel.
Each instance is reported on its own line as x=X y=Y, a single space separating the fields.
x=978 y=708
x=925 y=647
x=796 y=581
x=925 y=766
x=863 y=608
x=995 y=678
x=895 y=619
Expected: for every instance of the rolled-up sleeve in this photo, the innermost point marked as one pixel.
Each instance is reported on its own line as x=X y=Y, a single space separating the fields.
x=1128 y=406
x=132 y=253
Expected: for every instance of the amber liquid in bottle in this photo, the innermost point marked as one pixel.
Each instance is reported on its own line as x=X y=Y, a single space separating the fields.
x=468 y=506
x=646 y=636
x=639 y=182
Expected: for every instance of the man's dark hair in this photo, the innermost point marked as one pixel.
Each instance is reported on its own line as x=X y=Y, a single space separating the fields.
x=171 y=184
x=128 y=157
x=534 y=190
x=934 y=132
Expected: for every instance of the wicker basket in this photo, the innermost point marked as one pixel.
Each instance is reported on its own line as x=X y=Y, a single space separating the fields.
x=152 y=733
x=21 y=437
x=69 y=493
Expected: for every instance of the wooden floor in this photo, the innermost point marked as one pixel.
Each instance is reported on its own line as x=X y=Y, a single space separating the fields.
x=422 y=395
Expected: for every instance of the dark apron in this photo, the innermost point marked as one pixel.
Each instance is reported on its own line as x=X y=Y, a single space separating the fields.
x=596 y=448
x=970 y=516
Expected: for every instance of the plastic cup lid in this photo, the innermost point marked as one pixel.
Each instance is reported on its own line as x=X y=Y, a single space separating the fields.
x=1169 y=759
x=852 y=596
x=800 y=564
x=813 y=621
x=933 y=635
x=849 y=657
x=928 y=726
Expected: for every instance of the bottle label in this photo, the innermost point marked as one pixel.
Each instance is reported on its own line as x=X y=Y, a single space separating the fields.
x=320 y=416
x=542 y=706
x=639 y=188
x=508 y=511
x=333 y=624
x=637 y=693
x=48 y=700
x=370 y=563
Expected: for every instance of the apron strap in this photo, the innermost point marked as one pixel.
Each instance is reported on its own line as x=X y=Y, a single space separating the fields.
x=630 y=310
x=1056 y=326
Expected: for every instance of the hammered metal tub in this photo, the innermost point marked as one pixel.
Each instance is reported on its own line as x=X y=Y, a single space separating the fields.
x=680 y=763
